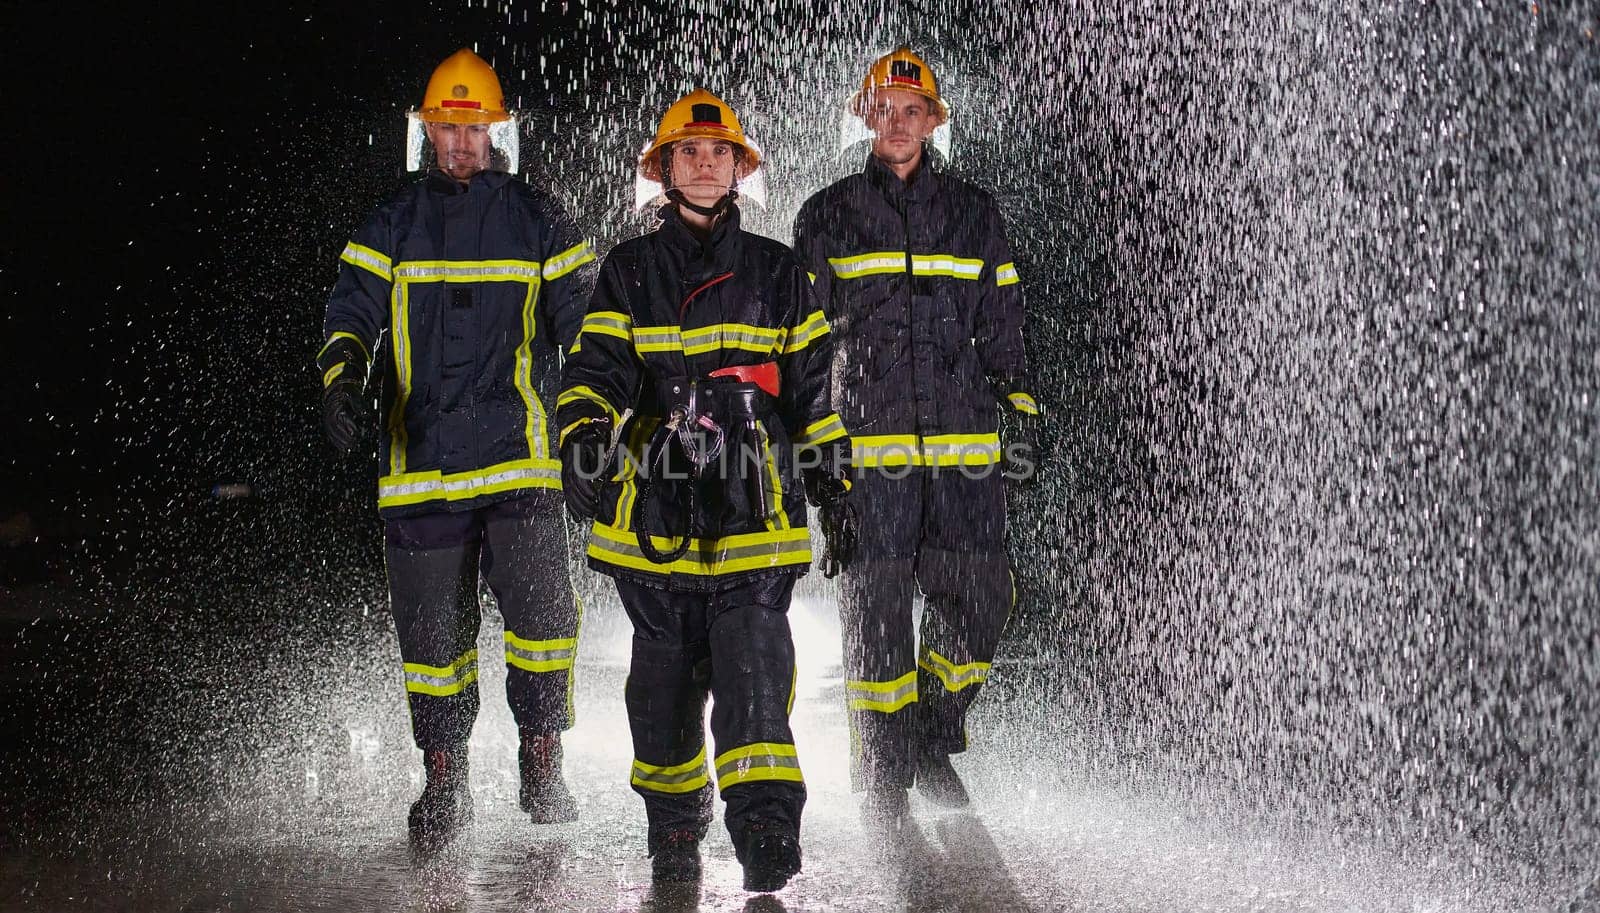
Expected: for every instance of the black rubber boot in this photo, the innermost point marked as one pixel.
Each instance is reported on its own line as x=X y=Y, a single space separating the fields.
x=444 y=810
x=770 y=861
x=938 y=782
x=544 y=794
x=677 y=858
x=885 y=808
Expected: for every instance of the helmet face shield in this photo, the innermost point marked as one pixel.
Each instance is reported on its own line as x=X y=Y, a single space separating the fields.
x=751 y=185
x=854 y=135
x=502 y=151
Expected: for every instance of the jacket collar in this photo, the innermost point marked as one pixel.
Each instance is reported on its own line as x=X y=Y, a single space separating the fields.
x=919 y=189
x=719 y=249
x=442 y=183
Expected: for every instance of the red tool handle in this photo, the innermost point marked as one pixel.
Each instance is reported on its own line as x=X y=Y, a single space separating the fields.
x=764 y=375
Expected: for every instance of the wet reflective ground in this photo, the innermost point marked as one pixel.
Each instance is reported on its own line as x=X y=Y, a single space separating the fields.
x=192 y=775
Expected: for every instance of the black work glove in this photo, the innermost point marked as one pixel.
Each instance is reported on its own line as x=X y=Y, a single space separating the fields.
x=581 y=471
x=1019 y=435
x=346 y=411
x=837 y=517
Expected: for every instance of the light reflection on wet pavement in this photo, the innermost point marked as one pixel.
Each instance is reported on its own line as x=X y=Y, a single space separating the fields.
x=313 y=818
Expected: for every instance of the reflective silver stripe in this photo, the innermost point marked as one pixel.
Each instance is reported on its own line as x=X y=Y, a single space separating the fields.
x=707 y=555
x=801 y=336
x=1022 y=402
x=954 y=677
x=525 y=270
x=672 y=778
x=442 y=681
x=1006 y=274
x=884 y=697
x=456 y=485
x=729 y=336
x=368 y=259
x=966 y=450
x=822 y=431
x=946 y=265
x=568 y=260
x=868 y=265
x=665 y=779
x=547 y=660
x=762 y=761
x=611 y=323
x=657 y=339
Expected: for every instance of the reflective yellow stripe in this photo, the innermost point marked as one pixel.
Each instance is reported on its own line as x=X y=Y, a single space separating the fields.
x=779 y=518
x=946 y=265
x=368 y=259
x=365 y=352
x=677 y=778
x=331 y=374
x=625 y=498
x=884 y=262
x=586 y=394
x=705 y=557
x=815 y=327
x=562 y=438
x=1022 y=402
x=761 y=761
x=961 y=449
x=541 y=655
x=873 y=264
x=607 y=323
x=432 y=485
x=883 y=697
x=400 y=342
x=880 y=450
x=1006 y=274
x=468 y=271
x=955 y=677
x=567 y=261
x=443 y=681
x=812 y=276
x=657 y=339
x=822 y=431
x=742 y=336
x=533 y=430
x=794 y=678
x=407 y=272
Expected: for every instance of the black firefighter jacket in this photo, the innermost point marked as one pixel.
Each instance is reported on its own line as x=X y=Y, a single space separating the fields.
x=474 y=286
x=918 y=284
x=667 y=305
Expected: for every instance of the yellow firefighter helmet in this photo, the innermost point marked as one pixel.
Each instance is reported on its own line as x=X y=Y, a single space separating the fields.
x=698 y=114
x=464 y=90
x=899 y=69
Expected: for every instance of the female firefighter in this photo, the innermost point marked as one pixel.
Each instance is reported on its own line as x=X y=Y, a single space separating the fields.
x=694 y=403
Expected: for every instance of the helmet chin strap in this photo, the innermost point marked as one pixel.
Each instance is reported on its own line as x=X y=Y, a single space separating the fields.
x=715 y=210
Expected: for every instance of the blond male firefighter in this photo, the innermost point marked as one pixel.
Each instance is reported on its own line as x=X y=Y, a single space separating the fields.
x=916 y=276
x=472 y=275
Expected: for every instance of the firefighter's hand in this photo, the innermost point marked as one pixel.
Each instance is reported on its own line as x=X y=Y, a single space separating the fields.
x=837 y=517
x=581 y=472
x=346 y=414
x=1024 y=459
x=1019 y=433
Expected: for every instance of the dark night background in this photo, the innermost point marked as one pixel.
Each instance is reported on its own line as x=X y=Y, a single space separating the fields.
x=1320 y=373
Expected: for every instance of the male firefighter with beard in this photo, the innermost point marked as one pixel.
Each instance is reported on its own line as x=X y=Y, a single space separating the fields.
x=471 y=272
x=704 y=362
x=914 y=273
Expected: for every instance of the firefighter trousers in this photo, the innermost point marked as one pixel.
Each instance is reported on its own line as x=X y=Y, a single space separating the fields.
x=519 y=548
x=942 y=531
x=735 y=646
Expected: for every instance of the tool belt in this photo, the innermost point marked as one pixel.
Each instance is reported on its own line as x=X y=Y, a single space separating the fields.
x=710 y=429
